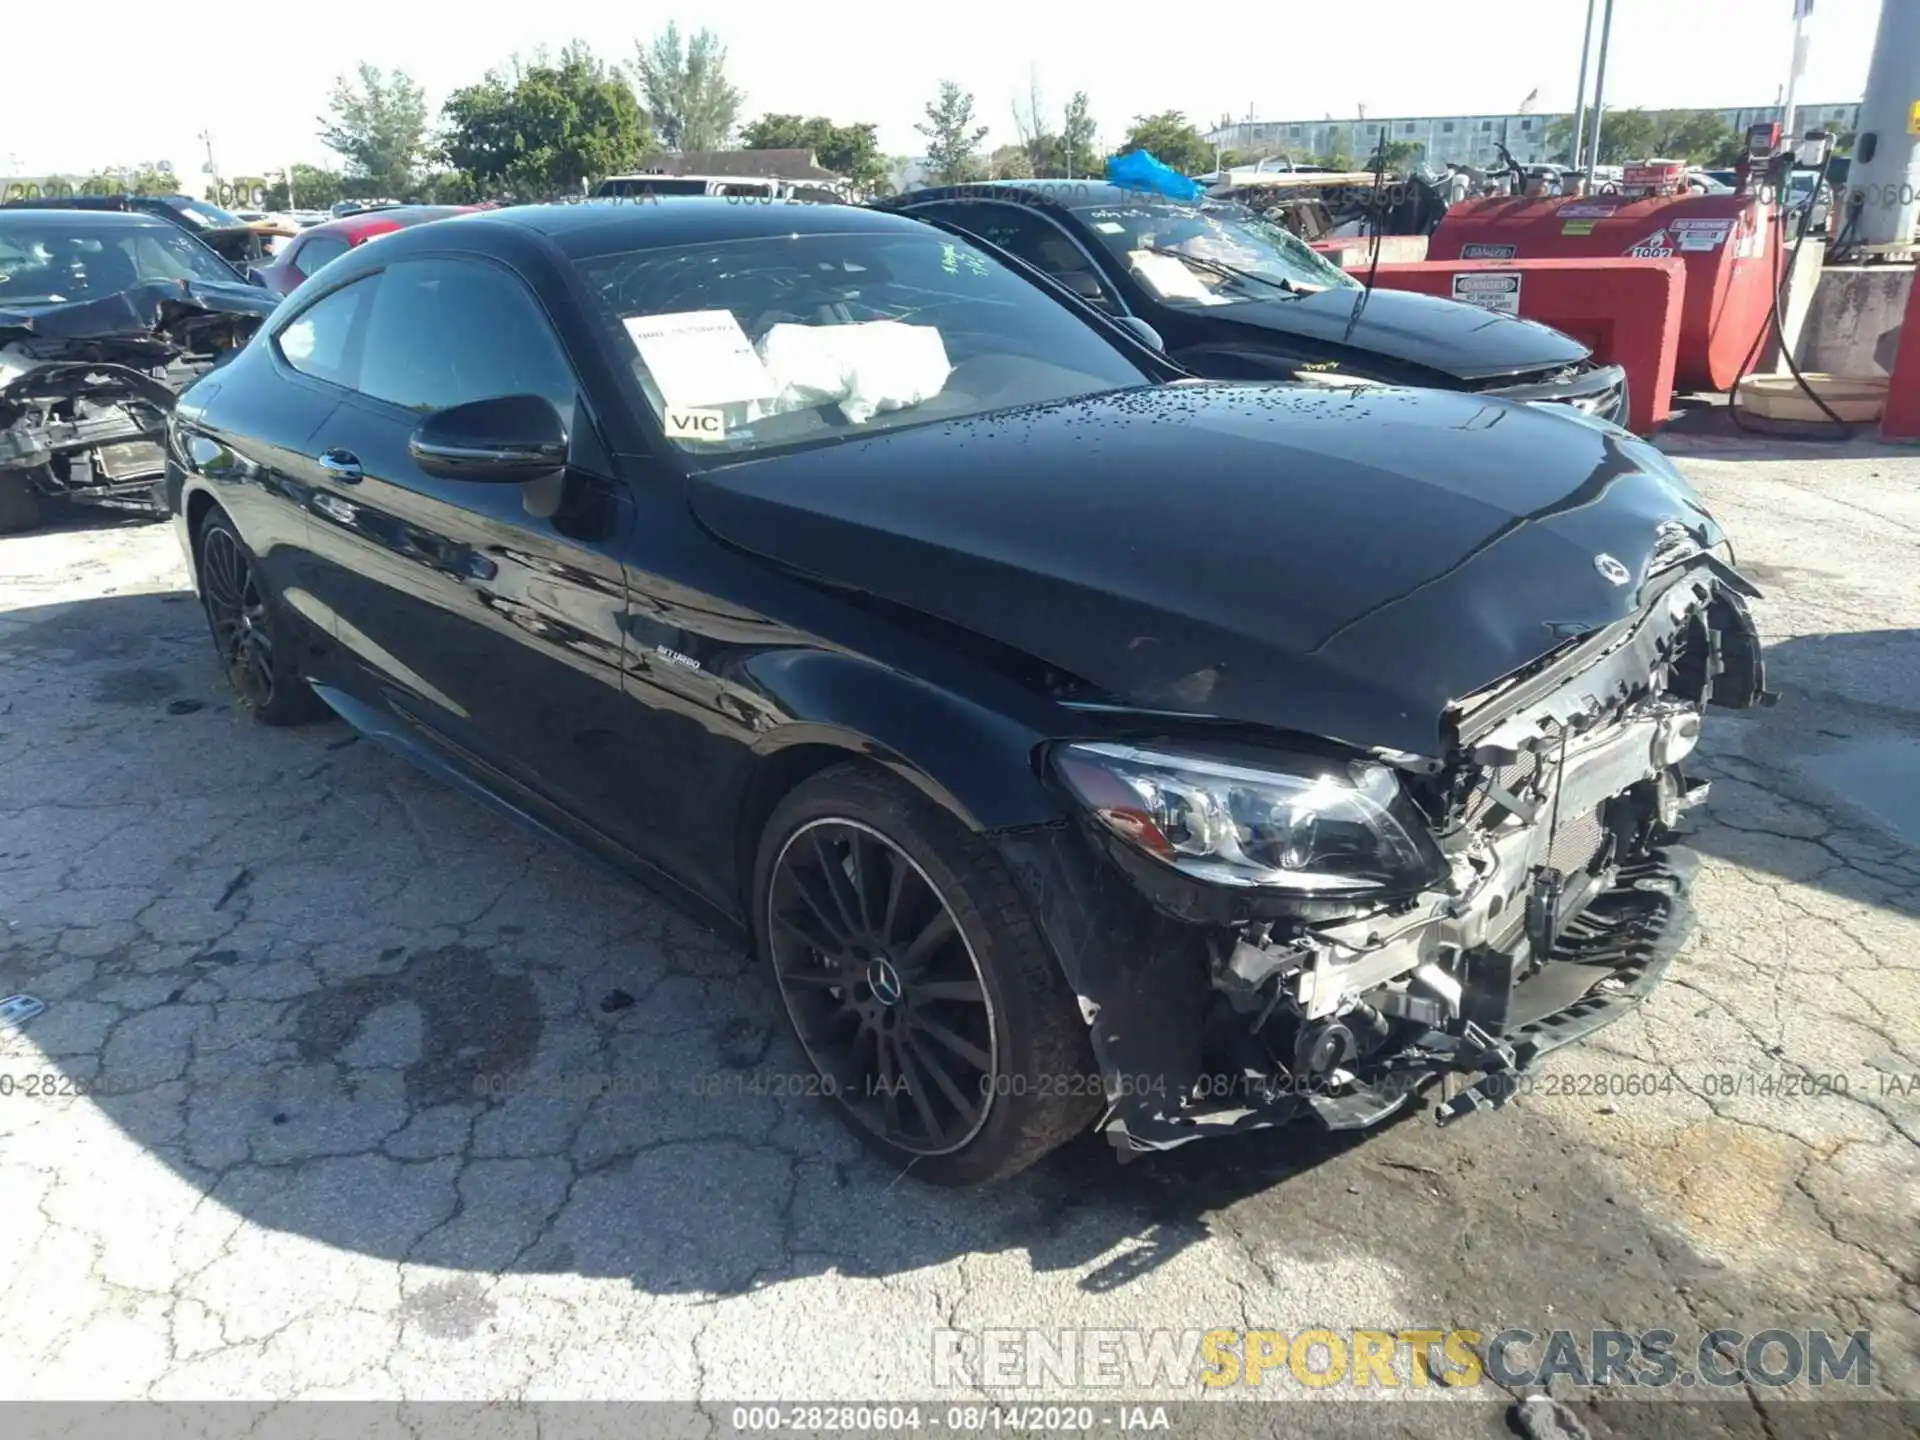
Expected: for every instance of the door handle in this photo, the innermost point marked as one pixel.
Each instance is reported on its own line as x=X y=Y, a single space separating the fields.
x=342 y=465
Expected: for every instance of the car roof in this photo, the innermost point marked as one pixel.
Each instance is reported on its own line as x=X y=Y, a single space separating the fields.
x=1056 y=192
x=390 y=217
x=595 y=227
x=76 y=218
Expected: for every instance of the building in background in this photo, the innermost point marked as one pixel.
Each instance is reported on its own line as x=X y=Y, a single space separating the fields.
x=1461 y=139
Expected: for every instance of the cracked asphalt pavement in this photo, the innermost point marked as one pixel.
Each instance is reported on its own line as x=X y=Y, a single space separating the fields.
x=288 y=980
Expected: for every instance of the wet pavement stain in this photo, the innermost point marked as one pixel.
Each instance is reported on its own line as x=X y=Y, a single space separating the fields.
x=474 y=1022
x=451 y=1310
x=135 y=685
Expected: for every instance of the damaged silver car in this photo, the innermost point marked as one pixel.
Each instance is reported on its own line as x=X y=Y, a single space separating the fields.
x=104 y=318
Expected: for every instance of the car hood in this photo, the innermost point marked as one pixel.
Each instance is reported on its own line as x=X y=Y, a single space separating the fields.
x=1343 y=565
x=141 y=309
x=1462 y=341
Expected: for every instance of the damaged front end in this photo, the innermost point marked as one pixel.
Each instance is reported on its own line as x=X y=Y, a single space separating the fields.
x=86 y=387
x=1477 y=911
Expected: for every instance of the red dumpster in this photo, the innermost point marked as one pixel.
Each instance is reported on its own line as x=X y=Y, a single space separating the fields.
x=1728 y=243
x=1627 y=311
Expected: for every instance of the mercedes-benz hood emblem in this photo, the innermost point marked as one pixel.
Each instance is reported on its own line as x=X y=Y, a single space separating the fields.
x=1612 y=569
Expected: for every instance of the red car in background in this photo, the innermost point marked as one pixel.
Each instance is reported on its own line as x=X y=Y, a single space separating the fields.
x=316 y=245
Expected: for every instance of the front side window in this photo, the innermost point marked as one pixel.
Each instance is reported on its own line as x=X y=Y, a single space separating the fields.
x=443 y=332
x=1209 y=254
x=325 y=340
x=791 y=340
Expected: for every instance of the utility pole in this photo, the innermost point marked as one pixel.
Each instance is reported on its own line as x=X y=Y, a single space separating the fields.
x=1580 y=94
x=1883 y=207
x=211 y=170
x=1802 y=13
x=1600 y=94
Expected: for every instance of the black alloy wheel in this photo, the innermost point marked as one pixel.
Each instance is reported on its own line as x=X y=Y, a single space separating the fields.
x=935 y=1016
x=247 y=634
x=238 y=614
x=882 y=987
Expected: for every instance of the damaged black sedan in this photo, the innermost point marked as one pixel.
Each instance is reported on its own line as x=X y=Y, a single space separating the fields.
x=104 y=317
x=1077 y=743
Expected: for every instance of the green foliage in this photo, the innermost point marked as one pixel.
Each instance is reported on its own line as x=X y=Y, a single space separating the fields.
x=1078 y=136
x=1172 y=140
x=849 y=150
x=379 y=126
x=313 y=189
x=683 y=84
x=546 y=129
x=143 y=179
x=953 y=140
x=1627 y=136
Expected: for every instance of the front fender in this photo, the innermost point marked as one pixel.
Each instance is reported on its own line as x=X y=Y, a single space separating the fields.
x=972 y=760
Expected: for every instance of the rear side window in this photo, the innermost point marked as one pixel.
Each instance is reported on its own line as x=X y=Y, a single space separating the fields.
x=317 y=252
x=443 y=332
x=326 y=338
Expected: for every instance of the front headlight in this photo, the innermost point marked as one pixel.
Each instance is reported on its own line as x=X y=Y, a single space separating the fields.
x=1316 y=827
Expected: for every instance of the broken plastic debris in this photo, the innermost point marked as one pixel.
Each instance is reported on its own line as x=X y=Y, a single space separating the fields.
x=16 y=1010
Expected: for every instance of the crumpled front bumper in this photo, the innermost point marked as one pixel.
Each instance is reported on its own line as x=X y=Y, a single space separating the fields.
x=1601 y=392
x=1154 y=1026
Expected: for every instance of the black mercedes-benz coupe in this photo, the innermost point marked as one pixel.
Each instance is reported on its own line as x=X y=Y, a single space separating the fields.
x=1077 y=743
x=1235 y=296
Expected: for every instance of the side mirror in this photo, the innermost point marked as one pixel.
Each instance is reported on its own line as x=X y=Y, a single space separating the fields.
x=1142 y=331
x=508 y=440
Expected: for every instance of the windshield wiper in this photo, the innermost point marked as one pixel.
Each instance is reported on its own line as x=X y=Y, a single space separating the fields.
x=1220 y=267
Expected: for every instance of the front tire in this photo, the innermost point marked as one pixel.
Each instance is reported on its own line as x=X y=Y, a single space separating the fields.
x=916 y=981
x=252 y=637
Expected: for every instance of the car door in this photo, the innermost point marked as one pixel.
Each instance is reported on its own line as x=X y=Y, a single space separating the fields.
x=249 y=428
x=489 y=617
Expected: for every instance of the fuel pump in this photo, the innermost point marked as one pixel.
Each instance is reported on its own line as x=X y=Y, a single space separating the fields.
x=1763 y=145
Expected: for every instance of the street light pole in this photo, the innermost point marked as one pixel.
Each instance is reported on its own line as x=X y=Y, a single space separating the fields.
x=1802 y=12
x=1600 y=94
x=1580 y=100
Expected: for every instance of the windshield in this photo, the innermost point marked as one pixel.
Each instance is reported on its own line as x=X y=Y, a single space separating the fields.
x=1210 y=254
x=47 y=264
x=206 y=216
x=801 y=339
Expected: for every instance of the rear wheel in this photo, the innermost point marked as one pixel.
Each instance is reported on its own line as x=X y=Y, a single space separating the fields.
x=916 y=982
x=250 y=634
x=20 y=506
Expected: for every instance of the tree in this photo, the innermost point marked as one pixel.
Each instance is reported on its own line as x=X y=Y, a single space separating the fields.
x=545 y=129
x=1700 y=136
x=849 y=150
x=1010 y=162
x=684 y=89
x=953 y=140
x=1078 y=134
x=379 y=125
x=1401 y=155
x=1172 y=140
x=147 y=178
x=313 y=189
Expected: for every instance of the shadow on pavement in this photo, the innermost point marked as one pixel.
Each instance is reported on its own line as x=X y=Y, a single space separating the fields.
x=285 y=966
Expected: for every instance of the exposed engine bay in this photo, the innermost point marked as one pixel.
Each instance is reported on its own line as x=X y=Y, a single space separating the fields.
x=86 y=388
x=1557 y=810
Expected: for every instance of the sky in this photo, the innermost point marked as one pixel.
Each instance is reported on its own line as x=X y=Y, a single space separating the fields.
x=257 y=79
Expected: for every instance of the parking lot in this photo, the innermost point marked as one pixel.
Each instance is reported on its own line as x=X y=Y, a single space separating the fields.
x=346 y=1088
